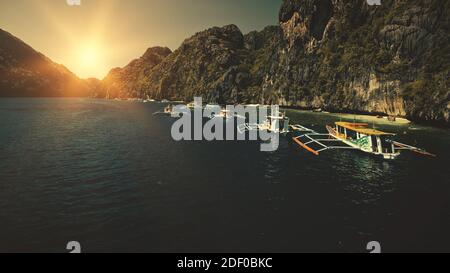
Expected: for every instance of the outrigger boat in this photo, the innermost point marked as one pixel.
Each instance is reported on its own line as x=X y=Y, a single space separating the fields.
x=194 y=105
x=274 y=124
x=148 y=99
x=168 y=110
x=226 y=114
x=357 y=136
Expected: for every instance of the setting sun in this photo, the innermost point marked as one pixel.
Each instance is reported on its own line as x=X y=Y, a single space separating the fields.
x=89 y=57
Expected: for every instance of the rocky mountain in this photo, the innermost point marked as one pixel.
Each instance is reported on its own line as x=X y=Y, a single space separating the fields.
x=130 y=80
x=208 y=64
x=336 y=55
x=216 y=63
x=349 y=56
x=25 y=72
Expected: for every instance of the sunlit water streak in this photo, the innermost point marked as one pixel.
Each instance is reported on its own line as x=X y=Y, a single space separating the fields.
x=109 y=175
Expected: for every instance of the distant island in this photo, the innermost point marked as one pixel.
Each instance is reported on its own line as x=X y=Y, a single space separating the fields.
x=340 y=56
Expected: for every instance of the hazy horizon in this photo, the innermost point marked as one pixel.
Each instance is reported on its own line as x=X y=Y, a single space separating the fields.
x=99 y=35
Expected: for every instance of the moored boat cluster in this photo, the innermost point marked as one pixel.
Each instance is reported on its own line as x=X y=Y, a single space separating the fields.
x=343 y=135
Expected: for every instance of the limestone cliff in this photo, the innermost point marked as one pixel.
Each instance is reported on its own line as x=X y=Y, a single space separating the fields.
x=331 y=54
x=349 y=56
x=130 y=80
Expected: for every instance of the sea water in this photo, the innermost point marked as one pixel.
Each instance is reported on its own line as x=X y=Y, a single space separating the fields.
x=108 y=175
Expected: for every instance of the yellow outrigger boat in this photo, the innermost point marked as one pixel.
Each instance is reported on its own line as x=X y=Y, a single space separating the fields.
x=356 y=136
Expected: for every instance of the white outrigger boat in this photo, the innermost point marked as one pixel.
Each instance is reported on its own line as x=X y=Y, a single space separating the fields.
x=225 y=114
x=168 y=110
x=274 y=124
x=194 y=105
x=148 y=99
x=357 y=136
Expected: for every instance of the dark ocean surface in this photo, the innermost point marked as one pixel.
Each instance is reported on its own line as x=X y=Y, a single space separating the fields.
x=109 y=175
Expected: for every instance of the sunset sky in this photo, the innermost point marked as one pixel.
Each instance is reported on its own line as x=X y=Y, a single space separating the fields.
x=98 y=35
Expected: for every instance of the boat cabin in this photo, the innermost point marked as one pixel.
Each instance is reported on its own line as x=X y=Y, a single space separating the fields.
x=367 y=138
x=282 y=126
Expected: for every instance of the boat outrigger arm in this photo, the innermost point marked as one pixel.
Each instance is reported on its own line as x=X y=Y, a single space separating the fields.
x=355 y=136
x=402 y=146
x=323 y=141
x=299 y=128
x=269 y=126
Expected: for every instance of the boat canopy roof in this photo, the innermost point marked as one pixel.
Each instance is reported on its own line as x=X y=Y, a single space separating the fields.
x=362 y=128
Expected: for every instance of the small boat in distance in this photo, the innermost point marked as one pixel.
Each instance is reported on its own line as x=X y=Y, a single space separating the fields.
x=168 y=110
x=350 y=135
x=193 y=105
x=148 y=99
x=275 y=124
x=224 y=114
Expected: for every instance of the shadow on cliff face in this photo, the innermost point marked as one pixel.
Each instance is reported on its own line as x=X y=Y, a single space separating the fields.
x=320 y=18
